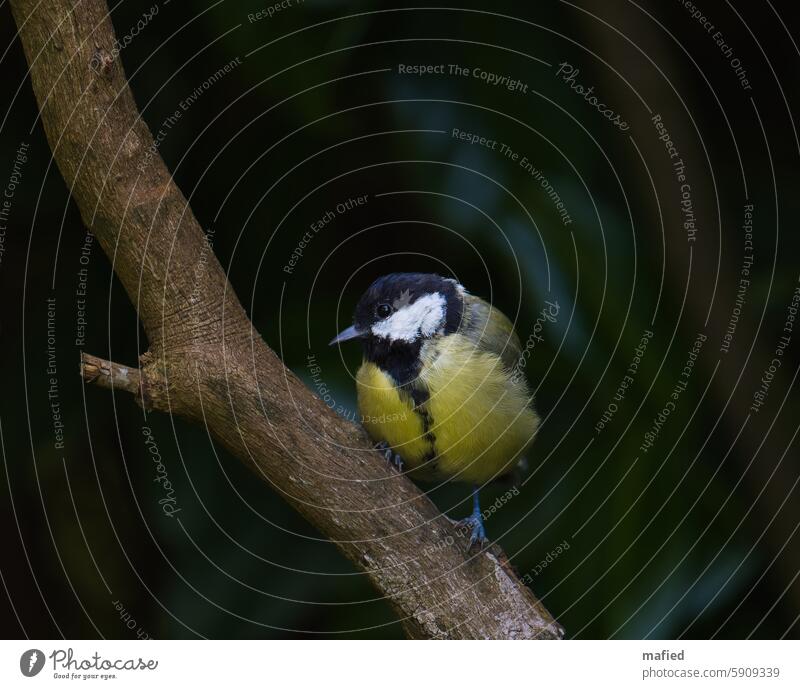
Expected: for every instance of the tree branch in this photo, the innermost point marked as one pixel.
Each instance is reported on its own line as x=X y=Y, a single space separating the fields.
x=206 y=364
x=107 y=374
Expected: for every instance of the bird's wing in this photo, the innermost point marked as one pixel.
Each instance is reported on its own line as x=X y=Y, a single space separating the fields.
x=490 y=330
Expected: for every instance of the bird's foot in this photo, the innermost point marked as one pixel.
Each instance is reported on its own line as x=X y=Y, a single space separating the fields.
x=477 y=538
x=475 y=524
x=390 y=455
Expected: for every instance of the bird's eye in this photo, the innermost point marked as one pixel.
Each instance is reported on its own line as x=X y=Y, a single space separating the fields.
x=383 y=310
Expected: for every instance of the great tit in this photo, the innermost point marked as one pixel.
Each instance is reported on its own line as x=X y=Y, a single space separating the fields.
x=439 y=388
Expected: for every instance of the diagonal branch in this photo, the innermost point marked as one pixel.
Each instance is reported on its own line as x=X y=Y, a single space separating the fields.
x=205 y=364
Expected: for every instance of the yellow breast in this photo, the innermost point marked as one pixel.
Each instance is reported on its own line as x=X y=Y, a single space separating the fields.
x=480 y=421
x=390 y=417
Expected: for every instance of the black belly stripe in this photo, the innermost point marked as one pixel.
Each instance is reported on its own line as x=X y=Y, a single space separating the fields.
x=420 y=396
x=401 y=362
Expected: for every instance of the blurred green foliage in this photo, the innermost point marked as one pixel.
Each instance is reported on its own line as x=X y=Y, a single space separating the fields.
x=692 y=538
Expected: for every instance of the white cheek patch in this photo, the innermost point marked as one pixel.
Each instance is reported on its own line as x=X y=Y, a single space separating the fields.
x=422 y=318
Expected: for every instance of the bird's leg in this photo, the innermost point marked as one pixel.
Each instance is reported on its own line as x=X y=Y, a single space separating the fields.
x=475 y=522
x=390 y=455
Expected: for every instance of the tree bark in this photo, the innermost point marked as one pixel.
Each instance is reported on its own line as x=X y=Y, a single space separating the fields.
x=206 y=363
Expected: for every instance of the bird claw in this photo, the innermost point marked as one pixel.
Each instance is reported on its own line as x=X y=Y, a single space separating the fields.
x=477 y=538
x=394 y=459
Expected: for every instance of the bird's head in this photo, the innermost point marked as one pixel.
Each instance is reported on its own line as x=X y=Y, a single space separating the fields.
x=405 y=309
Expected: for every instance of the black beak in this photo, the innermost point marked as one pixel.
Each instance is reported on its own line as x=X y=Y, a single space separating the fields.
x=350 y=333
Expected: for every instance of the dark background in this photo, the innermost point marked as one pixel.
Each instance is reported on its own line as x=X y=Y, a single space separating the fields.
x=696 y=537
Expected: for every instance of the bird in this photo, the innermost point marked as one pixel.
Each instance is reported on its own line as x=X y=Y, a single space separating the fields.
x=440 y=388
